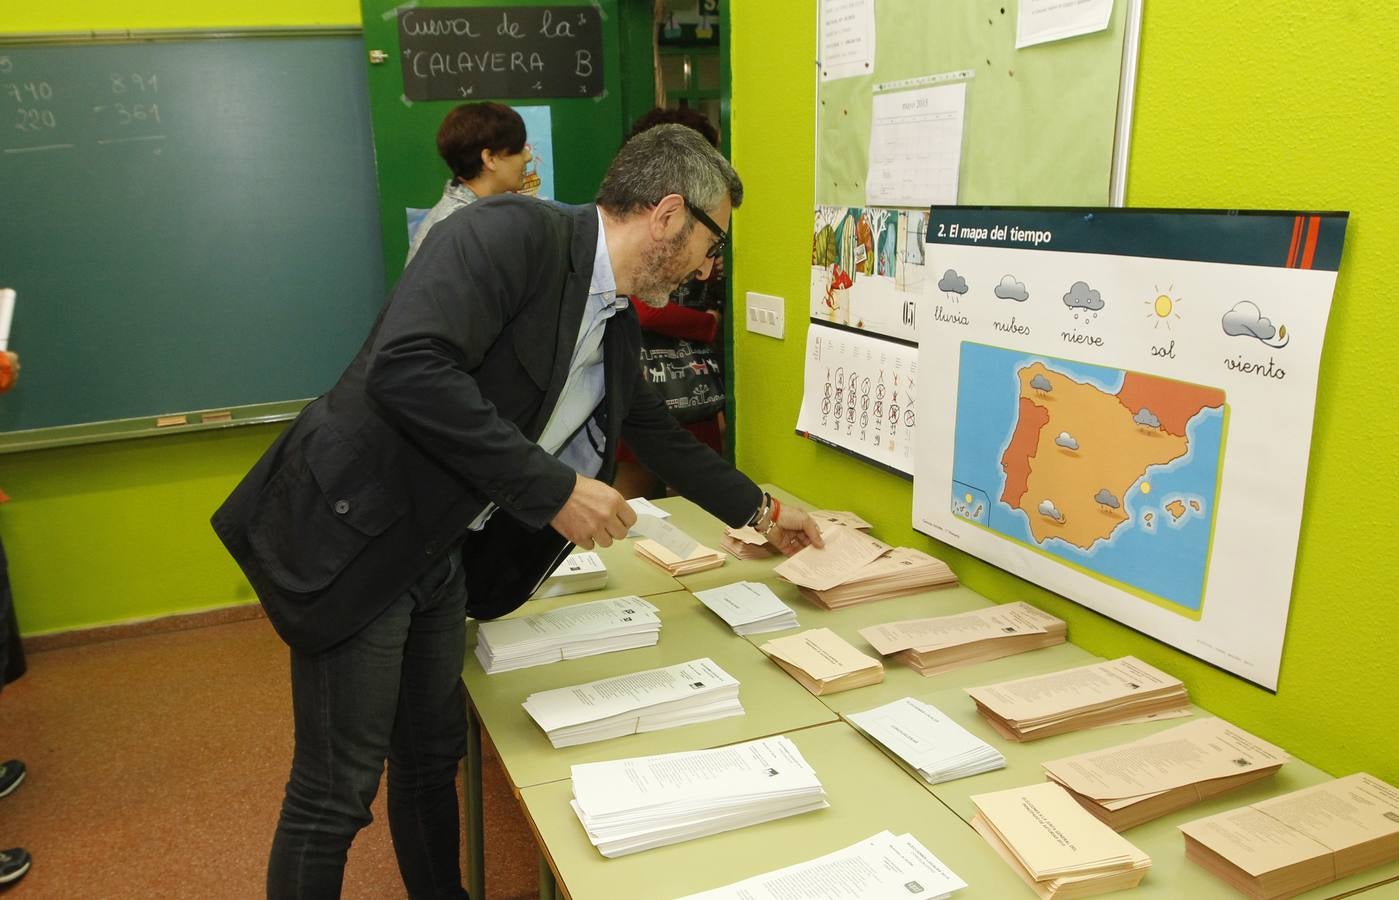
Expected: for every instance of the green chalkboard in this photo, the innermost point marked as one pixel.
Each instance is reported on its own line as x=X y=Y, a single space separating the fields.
x=587 y=131
x=190 y=225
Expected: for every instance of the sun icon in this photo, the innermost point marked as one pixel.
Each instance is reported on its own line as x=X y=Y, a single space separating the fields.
x=1163 y=307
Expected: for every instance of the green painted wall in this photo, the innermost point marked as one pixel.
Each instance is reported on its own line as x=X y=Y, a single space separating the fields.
x=1262 y=104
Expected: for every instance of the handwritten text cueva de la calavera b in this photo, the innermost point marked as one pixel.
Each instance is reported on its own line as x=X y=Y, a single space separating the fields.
x=500 y=52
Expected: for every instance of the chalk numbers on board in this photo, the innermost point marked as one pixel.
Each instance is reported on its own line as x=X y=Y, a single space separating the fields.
x=137 y=92
x=31 y=99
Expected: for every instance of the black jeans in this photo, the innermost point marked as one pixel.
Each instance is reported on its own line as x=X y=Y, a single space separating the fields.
x=392 y=691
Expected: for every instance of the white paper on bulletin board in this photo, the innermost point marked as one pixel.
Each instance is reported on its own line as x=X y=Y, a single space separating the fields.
x=860 y=395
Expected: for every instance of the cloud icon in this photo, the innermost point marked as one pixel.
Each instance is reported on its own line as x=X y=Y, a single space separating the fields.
x=1040 y=383
x=1148 y=418
x=1247 y=320
x=1010 y=289
x=1066 y=440
x=952 y=283
x=1049 y=510
x=1081 y=296
x=1107 y=498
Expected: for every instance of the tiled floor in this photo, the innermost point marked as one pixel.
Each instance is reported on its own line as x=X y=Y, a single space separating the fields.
x=156 y=770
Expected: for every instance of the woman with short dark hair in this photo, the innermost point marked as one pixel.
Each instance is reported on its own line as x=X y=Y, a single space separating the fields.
x=484 y=146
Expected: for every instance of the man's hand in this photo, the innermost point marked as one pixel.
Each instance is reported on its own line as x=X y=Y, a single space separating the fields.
x=594 y=514
x=794 y=530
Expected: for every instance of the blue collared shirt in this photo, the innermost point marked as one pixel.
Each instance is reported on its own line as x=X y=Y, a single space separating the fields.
x=571 y=433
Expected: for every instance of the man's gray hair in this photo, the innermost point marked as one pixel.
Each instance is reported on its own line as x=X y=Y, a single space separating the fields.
x=668 y=159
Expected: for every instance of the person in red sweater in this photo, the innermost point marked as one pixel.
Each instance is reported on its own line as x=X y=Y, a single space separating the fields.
x=680 y=338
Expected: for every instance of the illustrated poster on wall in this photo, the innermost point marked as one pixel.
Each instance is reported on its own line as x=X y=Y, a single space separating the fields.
x=1117 y=405
x=860 y=395
x=867 y=268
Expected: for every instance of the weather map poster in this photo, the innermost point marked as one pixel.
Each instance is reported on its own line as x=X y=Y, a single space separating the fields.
x=1117 y=405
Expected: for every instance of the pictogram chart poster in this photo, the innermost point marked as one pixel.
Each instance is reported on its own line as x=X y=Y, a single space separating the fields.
x=1118 y=405
x=860 y=395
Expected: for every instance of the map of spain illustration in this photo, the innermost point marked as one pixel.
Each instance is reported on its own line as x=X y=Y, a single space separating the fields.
x=1113 y=472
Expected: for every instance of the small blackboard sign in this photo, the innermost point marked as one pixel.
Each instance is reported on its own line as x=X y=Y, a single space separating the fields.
x=467 y=52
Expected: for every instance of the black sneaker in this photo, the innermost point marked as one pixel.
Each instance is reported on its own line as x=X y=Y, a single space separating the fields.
x=11 y=774
x=13 y=864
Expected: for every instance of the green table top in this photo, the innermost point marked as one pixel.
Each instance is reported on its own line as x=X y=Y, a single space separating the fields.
x=772 y=702
x=866 y=795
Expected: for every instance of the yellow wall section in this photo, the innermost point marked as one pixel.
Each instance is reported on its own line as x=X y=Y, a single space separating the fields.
x=92 y=15
x=1265 y=104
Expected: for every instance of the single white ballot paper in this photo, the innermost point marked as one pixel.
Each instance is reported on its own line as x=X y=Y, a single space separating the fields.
x=665 y=534
x=882 y=867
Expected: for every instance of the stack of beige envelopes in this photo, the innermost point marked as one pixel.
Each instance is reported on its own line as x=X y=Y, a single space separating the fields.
x=1136 y=782
x=935 y=645
x=1106 y=693
x=854 y=567
x=1291 y=844
x=1054 y=845
x=824 y=662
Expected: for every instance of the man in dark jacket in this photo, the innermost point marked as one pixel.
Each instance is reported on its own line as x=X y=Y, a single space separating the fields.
x=446 y=473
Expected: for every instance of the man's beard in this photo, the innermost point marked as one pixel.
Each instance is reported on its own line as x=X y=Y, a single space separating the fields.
x=660 y=272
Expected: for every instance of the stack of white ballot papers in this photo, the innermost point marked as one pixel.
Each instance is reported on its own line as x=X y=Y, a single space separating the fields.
x=628 y=805
x=936 y=645
x=584 y=629
x=682 y=694
x=749 y=607
x=919 y=734
x=577 y=573
x=882 y=867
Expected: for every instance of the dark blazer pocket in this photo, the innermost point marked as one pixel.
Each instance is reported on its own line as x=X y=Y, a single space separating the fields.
x=535 y=355
x=318 y=513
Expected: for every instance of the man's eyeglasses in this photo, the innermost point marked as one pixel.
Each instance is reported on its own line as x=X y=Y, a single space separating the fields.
x=717 y=249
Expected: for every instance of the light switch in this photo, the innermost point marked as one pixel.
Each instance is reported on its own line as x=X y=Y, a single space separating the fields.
x=766 y=314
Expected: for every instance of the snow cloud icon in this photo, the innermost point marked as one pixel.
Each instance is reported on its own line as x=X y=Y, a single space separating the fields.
x=1081 y=296
x=1245 y=319
x=1010 y=289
